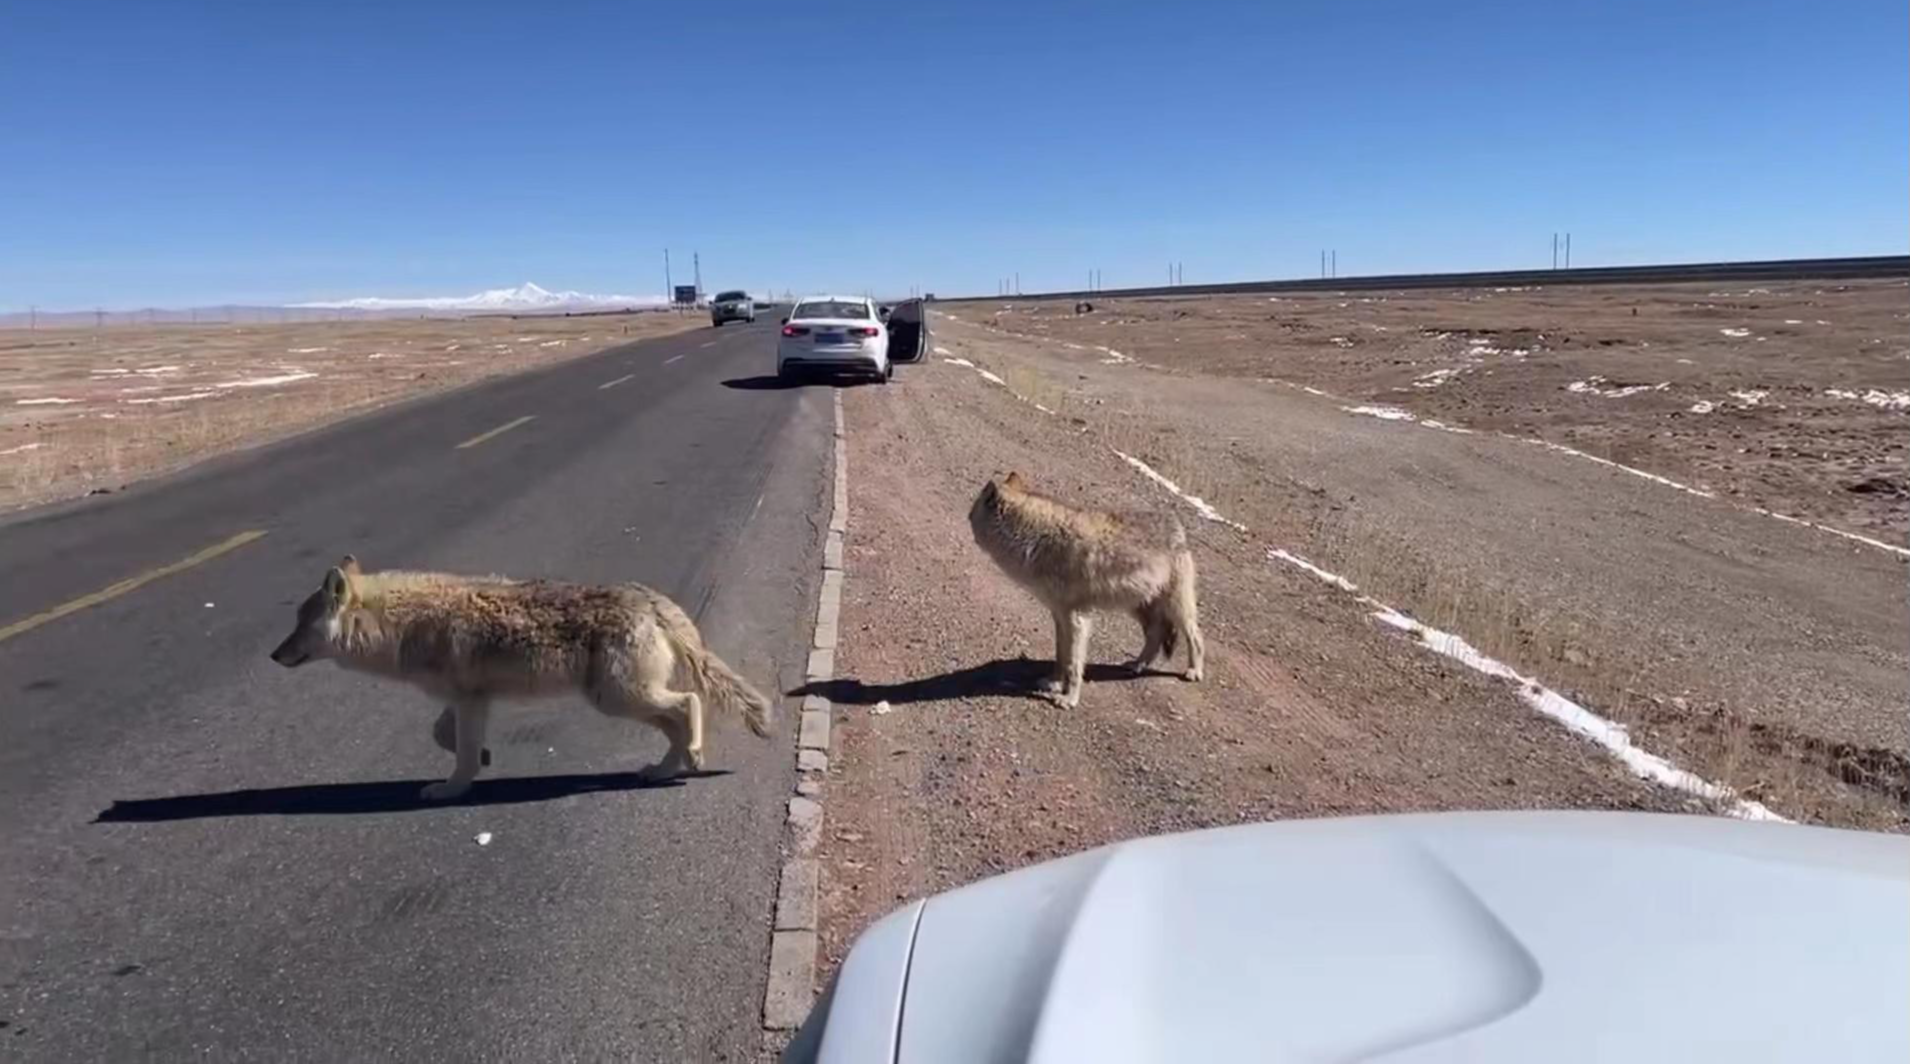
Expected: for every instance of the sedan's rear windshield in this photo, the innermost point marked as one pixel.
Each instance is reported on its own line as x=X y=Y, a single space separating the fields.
x=829 y=308
x=731 y=297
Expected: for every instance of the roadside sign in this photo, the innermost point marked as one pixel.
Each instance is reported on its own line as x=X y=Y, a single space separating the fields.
x=686 y=294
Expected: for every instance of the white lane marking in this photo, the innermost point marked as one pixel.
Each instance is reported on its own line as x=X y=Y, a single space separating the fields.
x=673 y=358
x=612 y=384
x=712 y=343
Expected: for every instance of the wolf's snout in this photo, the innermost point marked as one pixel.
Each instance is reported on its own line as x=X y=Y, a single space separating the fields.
x=288 y=656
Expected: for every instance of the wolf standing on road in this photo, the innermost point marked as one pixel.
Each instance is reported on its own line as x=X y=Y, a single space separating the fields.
x=468 y=640
x=1077 y=561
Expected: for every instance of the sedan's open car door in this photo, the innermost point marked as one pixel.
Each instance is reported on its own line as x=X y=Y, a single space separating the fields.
x=908 y=331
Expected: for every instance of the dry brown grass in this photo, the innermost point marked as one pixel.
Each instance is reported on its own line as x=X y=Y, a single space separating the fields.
x=142 y=400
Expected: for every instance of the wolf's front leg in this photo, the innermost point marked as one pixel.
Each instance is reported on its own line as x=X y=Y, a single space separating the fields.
x=472 y=716
x=444 y=732
x=1057 y=681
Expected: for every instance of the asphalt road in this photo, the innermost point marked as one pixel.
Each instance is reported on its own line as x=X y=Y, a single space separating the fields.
x=208 y=855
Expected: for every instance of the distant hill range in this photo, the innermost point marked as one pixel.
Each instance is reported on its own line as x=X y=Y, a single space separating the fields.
x=526 y=298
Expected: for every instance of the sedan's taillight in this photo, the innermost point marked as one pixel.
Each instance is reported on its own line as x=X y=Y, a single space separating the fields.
x=869 y=331
x=795 y=330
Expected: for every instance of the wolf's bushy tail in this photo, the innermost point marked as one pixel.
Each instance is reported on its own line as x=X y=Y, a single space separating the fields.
x=712 y=676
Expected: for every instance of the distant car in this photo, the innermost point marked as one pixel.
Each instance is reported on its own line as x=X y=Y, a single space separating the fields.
x=1459 y=936
x=841 y=334
x=732 y=306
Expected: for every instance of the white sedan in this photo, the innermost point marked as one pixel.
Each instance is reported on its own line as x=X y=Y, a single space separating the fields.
x=838 y=334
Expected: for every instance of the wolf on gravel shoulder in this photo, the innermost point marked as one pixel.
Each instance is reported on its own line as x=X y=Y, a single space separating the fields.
x=1078 y=561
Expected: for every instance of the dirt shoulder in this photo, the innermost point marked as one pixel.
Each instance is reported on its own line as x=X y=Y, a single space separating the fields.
x=84 y=409
x=1310 y=707
x=1763 y=655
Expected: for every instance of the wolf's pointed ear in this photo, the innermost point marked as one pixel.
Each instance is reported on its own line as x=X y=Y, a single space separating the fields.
x=336 y=587
x=1014 y=480
x=350 y=565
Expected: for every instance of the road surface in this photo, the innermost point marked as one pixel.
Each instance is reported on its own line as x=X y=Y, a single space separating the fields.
x=209 y=855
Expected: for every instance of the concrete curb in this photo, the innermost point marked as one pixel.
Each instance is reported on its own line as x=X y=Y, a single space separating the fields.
x=793 y=940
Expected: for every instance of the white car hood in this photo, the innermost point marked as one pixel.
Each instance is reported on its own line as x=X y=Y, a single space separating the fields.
x=1494 y=937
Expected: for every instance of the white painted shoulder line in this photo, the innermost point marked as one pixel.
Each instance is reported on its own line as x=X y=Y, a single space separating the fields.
x=1609 y=735
x=1393 y=413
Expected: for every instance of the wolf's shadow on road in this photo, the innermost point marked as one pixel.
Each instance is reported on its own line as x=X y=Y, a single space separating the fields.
x=383 y=796
x=1002 y=678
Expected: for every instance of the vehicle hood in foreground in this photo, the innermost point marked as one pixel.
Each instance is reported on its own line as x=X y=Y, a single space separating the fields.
x=1494 y=937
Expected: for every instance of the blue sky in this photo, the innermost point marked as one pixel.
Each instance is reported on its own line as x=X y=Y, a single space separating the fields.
x=174 y=153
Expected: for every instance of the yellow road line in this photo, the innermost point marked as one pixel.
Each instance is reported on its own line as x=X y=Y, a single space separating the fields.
x=133 y=583
x=498 y=431
x=613 y=384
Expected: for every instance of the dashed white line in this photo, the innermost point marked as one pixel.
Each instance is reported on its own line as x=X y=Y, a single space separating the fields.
x=612 y=384
x=673 y=358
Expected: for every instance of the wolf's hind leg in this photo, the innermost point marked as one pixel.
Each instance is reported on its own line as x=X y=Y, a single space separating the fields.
x=1153 y=632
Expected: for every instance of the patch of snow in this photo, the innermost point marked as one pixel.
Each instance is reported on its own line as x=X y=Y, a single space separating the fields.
x=1436 y=378
x=1793 y=321
x=957 y=361
x=1735 y=333
x=45 y=401
x=185 y=398
x=553 y=343
x=943 y=351
x=305 y=350
x=1596 y=386
x=990 y=377
x=1875 y=397
x=1339 y=341
x=1749 y=396
x=1703 y=406
x=22 y=448
x=1384 y=413
x=269 y=382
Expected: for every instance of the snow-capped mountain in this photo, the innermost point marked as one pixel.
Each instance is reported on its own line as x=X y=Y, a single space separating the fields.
x=526 y=296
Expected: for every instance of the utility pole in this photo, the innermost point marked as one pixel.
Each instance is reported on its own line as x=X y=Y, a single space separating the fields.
x=1555 y=251
x=1322 y=263
x=33 y=318
x=1336 y=262
x=669 y=285
x=696 y=261
x=1568 y=251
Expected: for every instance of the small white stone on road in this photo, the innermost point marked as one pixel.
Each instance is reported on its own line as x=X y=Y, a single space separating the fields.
x=483 y=838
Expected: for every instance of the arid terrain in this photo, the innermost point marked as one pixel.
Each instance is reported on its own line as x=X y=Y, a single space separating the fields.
x=1760 y=662
x=86 y=410
x=1793 y=396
